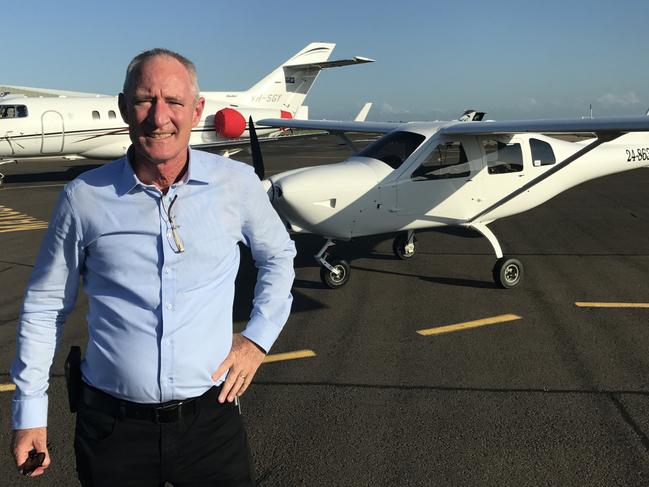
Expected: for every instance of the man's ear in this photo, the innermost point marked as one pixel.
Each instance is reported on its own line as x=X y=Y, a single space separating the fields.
x=198 y=111
x=121 y=102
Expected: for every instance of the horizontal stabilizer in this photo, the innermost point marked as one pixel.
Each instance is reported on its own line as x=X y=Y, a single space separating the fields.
x=331 y=64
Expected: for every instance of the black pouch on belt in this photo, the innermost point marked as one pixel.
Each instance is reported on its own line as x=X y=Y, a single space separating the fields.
x=73 y=377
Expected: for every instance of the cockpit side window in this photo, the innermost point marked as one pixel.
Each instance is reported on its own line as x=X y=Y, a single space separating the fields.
x=393 y=148
x=503 y=158
x=13 y=111
x=447 y=160
x=542 y=153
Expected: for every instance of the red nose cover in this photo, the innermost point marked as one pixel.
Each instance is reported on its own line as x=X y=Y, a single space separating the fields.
x=229 y=123
x=285 y=114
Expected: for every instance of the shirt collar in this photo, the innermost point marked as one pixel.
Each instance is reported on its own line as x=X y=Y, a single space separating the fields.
x=196 y=172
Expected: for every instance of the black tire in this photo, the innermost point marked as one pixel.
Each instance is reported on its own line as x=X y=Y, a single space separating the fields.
x=399 y=246
x=338 y=277
x=508 y=272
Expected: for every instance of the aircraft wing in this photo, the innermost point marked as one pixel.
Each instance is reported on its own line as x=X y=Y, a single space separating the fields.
x=32 y=91
x=332 y=126
x=604 y=125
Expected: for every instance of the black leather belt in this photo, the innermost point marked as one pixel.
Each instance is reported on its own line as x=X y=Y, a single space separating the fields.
x=166 y=412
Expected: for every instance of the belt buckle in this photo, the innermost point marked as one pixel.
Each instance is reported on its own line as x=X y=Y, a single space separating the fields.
x=169 y=413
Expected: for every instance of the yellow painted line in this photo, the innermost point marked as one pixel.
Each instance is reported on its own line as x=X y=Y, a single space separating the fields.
x=494 y=320
x=7 y=387
x=14 y=221
x=611 y=305
x=280 y=357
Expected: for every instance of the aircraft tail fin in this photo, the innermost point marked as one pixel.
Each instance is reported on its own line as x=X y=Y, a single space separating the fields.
x=362 y=115
x=288 y=85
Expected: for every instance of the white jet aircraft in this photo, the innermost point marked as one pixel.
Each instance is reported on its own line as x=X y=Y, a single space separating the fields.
x=89 y=125
x=465 y=173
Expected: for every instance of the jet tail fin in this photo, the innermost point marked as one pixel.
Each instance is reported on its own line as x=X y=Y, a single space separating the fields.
x=288 y=85
x=362 y=115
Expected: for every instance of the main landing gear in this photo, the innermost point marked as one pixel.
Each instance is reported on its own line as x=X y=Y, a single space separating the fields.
x=508 y=271
x=403 y=245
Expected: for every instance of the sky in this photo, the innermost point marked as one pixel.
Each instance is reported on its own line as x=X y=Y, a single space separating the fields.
x=512 y=59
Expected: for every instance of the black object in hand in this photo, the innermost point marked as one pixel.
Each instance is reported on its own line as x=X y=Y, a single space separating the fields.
x=34 y=460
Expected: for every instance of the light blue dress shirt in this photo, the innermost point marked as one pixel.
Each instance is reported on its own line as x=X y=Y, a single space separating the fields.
x=159 y=320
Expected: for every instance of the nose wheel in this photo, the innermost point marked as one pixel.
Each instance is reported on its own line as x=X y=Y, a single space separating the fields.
x=334 y=273
x=337 y=275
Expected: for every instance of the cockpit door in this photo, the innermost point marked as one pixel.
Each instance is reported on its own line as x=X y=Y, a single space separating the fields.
x=506 y=162
x=438 y=185
x=53 y=132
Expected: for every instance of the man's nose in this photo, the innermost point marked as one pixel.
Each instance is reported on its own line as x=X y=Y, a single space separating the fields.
x=159 y=114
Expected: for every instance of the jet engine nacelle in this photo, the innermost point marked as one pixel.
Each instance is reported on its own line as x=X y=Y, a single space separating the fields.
x=231 y=123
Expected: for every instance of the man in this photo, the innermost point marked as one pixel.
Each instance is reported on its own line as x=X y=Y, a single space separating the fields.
x=154 y=236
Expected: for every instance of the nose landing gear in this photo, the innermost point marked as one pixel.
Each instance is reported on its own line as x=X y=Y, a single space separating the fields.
x=334 y=273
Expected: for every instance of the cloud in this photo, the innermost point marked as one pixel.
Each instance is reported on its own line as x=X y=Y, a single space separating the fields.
x=623 y=100
x=391 y=110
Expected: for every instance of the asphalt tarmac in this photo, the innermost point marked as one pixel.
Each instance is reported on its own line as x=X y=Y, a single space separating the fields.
x=556 y=395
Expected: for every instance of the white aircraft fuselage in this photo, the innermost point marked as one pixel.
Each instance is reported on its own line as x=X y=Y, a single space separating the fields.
x=365 y=196
x=93 y=127
x=89 y=125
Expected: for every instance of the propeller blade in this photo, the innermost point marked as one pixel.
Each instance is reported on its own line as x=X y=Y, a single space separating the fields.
x=255 y=150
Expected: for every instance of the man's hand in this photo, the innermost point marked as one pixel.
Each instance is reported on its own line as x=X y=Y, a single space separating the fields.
x=244 y=359
x=23 y=441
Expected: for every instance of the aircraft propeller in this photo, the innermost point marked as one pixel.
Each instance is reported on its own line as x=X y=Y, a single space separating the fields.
x=255 y=150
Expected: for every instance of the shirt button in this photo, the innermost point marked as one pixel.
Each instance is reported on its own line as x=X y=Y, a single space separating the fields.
x=167 y=342
x=169 y=306
x=167 y=270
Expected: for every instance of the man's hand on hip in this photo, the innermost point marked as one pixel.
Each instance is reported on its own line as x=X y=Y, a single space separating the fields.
x=25 y=440
x=242 y=362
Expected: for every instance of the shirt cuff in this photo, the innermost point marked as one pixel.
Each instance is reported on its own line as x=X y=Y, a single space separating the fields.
x=29 y=413
x=262 y=332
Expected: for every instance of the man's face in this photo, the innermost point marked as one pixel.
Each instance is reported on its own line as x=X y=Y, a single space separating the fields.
x=160 y=110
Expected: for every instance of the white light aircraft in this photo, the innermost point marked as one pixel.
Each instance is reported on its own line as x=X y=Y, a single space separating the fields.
x=86 y=125
x=465 y=173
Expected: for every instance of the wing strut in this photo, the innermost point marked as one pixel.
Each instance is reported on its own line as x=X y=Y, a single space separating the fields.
x=601 y=139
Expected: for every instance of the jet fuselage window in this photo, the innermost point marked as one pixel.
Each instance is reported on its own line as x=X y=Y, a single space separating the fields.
x=393 y=148
x=542 y=153
x=111 y=114
x=13 y=111
x=503 y=158
x=95 y=115
x=447 y=160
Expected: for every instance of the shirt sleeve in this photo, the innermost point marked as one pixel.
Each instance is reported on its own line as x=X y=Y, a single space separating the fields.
x=273 y=252
x=50 y=295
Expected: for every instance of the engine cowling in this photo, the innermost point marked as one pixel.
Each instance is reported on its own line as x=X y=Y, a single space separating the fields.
x=229 y=123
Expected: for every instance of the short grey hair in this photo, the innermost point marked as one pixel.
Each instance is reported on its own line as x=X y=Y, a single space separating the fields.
x=135 y=64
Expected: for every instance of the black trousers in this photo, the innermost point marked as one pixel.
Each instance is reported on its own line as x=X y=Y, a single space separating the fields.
x=207 y=448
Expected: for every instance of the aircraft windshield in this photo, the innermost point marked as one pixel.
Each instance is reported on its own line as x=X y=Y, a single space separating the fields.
x=13 y=111
x=393 y=148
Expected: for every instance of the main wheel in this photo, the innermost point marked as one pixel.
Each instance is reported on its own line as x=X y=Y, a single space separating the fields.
x=338 y=276
x=508 y=272
x=401 y=248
